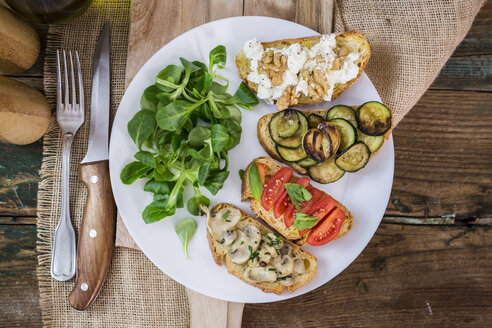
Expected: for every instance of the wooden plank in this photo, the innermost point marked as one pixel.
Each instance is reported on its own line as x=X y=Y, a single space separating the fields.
x=315 y=14
x=443 y=151
x=19 y=306
x=19 y=177
x=466 y=73
x=478 y=41
x=456 y=264
x=18 y=220
x=408 y=276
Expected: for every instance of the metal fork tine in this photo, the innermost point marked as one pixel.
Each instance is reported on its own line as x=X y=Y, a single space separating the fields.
x=67 y=101
x=58 y=82
x=81 y=85
x=74 y=99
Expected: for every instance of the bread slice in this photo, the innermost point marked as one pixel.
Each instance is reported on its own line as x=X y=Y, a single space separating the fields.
x=221 y=252
x=354 y=41
x=291 y=233
x=266 y=141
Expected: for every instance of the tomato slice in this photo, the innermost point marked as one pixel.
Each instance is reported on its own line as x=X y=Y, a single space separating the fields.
x=290 y=213
x=262 y=168
x=275 y=187
x=322 y=207
x=327 y=229
x=284 y=201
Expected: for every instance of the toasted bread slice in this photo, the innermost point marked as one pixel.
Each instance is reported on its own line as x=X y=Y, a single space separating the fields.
x=355 y=42
x=221 y=251
x=269 y=146
x=291 y=233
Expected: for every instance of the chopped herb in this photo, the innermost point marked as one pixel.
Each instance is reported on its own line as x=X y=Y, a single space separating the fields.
x=242 y=242
x=267 y=236
x=241 y=174
x=359 y=282
x=271 y=269
x=222 y=241
x=228 y=220
x=226 y=214
x=283 y=278
x=251 y=254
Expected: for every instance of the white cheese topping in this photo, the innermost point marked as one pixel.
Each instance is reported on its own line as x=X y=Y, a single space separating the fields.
x=320 y=58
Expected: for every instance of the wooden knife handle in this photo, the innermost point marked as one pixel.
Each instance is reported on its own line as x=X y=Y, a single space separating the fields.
x=96 y=236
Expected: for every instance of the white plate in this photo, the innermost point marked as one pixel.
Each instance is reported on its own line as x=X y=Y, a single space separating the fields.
x=365 y=193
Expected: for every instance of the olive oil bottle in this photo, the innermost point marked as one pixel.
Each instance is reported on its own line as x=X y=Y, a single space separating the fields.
x=49 y=11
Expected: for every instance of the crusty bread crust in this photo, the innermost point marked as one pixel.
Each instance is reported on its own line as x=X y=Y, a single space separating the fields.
x=291 y=233
x=355 y=41
x=269 y=146
x=219 y=253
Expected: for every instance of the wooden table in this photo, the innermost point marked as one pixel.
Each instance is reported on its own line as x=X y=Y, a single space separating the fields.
x=430 y=262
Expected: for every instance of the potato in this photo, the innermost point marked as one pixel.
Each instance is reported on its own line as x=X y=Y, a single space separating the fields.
x=25 y=114
x=19 y=43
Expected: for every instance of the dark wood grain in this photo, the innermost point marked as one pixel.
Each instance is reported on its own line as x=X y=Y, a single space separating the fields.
x=408 y=276
x=19 y=292
x=472 y=73
x=479 y=39
x=456 y=264
x=443 y=156
x=94 y=251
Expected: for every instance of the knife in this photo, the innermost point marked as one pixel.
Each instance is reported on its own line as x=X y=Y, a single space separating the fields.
x=97 y=231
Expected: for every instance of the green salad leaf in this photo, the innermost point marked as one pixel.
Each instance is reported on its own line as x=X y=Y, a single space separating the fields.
x=185 y=229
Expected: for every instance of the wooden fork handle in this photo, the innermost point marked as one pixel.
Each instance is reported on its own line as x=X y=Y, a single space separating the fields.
x=96 y=236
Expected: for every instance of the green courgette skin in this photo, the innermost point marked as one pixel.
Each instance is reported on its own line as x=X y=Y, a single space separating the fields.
x=342 y=160
x=348 y=133
x=293 y=141
x=326 y=172
x=291 y=155
x=374 y=118
x=342 y=111
x=372 y=142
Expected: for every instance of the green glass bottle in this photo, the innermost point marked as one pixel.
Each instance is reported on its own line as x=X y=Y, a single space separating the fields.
x=49 y=11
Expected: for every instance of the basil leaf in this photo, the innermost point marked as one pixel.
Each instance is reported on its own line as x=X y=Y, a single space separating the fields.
x=156 y=211
x=141 y=126
x=304 y=221
x=255 y=184
x=297 y=193
x=241 y=174
x=145 y=157
x=173 y=117
x=185 y=229
x=193 y=204
x=219 y=137
x=157 y=187
x=198 y=135
x=132 y=171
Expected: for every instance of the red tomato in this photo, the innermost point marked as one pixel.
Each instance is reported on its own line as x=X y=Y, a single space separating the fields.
x=290 y=213
x=284 y=201
x=327 y=229
x=275 y=187
x=322 y=207
x=262 y=171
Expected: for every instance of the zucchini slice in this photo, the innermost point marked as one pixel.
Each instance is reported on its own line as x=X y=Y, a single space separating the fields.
x=326 y=171
x=291 y=155
x=374 y=118
x=354 y=158
x=348 y=134
x=314 y=120
x=372 y=142
x=294 y=140
x=317 y=145
x=286 y=123
x=307 y=162
x=342 y=111
x=331 y=131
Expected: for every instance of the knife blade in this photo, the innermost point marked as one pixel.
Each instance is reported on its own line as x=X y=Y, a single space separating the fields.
x=97 y=231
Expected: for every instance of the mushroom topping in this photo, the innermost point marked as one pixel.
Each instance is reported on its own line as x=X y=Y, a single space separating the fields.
x=260 y=274
x=254 y=262
x=266 y=252
x=284 y=265
x=286 y=249
x=299 y=266
x=274 y=240
x=221 y=224
x=245 y=245
x=288 y=281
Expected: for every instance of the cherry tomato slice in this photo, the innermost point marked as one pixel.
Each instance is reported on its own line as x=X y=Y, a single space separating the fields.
x=262 y=168
x=290 y=213
x=284 y=201
x=322 y=207
x=275 y=187
x=327 y=229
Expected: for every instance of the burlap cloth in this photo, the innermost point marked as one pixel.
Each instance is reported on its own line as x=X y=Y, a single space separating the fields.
x=410 y=40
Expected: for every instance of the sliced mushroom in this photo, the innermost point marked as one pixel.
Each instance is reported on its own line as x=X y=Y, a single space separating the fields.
x=288 y=281
x=286 y=249
x=260 y=274
x=246 y=243
x=266 y=252
x=255 y=262
x=274 y=240
x=284 y=265
x=299 y=266
x=221 y=224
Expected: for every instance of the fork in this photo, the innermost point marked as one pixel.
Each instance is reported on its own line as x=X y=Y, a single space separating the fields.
x=70 y=116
